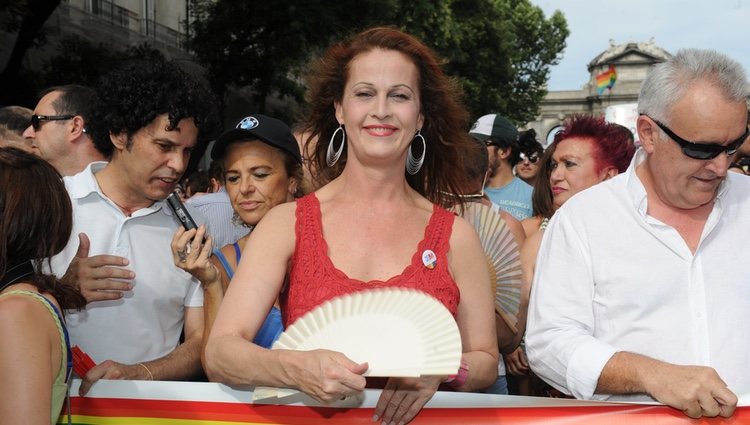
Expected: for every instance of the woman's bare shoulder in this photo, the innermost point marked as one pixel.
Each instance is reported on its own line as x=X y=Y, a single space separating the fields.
x=531 y=225
x=279 y=215
x=18 y=309
x=531 y=246
x=463 y=235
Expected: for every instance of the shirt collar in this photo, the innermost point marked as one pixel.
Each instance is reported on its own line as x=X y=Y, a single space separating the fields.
x=85 y=184
x=637 y=191
x=635 y=188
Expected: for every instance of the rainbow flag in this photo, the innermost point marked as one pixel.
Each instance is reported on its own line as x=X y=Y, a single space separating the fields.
x=606 y=80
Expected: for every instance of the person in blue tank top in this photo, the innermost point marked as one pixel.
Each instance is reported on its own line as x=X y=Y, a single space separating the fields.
x=262 y=168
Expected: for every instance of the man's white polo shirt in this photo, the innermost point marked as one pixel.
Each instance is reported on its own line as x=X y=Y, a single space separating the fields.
x=147 y=322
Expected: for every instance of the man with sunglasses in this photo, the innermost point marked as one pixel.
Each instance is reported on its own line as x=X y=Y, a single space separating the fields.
x=58 y=129
x=635 y=295
x=531 y=152
x=509 y=192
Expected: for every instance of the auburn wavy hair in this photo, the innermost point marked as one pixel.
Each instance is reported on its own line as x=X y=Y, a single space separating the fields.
x=446 y=121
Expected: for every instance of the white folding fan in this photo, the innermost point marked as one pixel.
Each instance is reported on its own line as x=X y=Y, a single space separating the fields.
x=399 y=332
x=503 y=259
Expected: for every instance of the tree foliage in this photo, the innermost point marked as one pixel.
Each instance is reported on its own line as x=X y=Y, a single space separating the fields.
x=25 y=18
x=82 y=62
x=266 y=45
x=502 y=54
x=500 y=50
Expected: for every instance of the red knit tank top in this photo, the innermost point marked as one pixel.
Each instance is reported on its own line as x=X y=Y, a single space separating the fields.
x=314 y=279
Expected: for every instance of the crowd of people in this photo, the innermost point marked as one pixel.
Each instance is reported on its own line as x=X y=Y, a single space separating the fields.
x=625 y=293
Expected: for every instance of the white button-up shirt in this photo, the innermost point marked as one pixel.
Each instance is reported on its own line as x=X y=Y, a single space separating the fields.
x=146 y=322
x=218 y=211
x=611 y=278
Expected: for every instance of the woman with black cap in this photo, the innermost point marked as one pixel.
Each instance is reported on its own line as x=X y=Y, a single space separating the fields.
x=262 y=168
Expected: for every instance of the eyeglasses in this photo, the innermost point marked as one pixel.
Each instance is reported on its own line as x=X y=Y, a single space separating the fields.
x=479 y=194
x=36 y=120
x=532 y=158
x=704 y=151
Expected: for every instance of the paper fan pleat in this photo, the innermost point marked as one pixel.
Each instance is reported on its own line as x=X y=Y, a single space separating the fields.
x=503 y=259
x=399 y=332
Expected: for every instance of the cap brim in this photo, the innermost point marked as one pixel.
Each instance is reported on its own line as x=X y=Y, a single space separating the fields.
x=479 y=136
x=236 y=134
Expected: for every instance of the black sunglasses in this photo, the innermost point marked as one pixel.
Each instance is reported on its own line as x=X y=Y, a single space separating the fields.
x=490 y=142
x=36 y=120
x=705 y=151
x=532 y=157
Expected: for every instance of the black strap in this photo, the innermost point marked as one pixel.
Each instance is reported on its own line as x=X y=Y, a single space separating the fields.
x=16 y=273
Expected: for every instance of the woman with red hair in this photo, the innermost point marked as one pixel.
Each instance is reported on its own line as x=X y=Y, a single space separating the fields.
x=390 y=130
x=587 y=151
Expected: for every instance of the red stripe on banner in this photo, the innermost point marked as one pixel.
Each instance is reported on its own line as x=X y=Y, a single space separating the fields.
x=298 y=415
x=215 y=411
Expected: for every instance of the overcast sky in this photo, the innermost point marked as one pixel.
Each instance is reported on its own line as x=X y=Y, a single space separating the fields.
x=723 y=25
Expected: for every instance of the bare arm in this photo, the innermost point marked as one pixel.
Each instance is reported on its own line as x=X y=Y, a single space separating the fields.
x=27 y=357
x=529 y=251
x=476 y=310
x=182 y=363
x=696 y=390
x=530 y=225
x=230 y=355
x=201 y=265
x=508 y=339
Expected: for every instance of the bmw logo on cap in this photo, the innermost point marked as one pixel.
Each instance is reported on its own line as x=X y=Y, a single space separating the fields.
x=248 y=123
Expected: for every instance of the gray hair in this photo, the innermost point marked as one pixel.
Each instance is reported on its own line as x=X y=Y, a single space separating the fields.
x=667 y=82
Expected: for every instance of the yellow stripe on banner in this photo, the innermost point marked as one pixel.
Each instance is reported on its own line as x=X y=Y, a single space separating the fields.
x=100 y=420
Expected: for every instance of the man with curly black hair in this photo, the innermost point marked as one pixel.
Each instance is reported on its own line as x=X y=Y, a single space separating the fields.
x=148 y=118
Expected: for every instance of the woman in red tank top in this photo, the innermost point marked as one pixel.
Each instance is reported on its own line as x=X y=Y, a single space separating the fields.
x=391 y=135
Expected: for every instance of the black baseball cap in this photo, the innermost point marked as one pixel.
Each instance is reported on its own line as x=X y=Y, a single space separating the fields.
x=266 y=129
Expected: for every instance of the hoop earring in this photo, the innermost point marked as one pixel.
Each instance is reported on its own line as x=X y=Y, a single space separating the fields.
x=413 y=165
x=331 y=156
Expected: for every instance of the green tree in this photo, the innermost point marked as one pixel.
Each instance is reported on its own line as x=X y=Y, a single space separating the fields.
x=499 y=50
x=265 y=45
x=83 y=62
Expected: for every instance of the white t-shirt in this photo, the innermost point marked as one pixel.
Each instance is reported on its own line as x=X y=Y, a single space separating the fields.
x=611 y=278
x=147 y=322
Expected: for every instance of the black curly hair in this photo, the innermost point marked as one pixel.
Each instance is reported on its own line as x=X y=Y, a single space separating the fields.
x=130 y=97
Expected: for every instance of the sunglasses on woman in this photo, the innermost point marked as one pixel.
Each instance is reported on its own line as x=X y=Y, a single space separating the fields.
x=704 y=151
x=532 y=157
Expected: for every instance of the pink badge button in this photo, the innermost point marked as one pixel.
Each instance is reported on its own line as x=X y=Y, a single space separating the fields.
x=429 y=259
